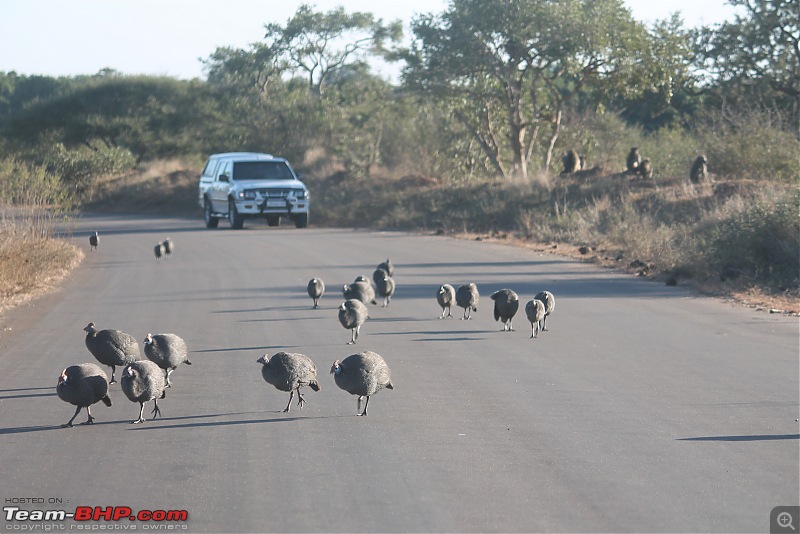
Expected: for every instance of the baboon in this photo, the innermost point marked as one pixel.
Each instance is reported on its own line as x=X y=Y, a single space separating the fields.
x=645 y=170
x=571 y=161
x=634 y=159
x=699 y=172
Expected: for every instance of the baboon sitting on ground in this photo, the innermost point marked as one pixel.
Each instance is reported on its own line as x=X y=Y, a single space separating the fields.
x=699 y=172
x=571 y=161
x=634 y=160
x=645 y=170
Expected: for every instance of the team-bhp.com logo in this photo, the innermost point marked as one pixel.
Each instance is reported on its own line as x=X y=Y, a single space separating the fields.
x=96 y=514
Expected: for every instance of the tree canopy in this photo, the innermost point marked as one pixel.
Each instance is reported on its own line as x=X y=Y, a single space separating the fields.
x=509 y=68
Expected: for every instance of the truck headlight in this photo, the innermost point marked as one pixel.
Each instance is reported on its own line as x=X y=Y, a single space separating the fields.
x=247 y=194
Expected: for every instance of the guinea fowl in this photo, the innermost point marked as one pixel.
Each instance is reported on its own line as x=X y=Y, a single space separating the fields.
x=142 y=382
x=83 y=385
x=169 y=246
x=167 y=351
x=467 y=297
x=362 y=374
x=506 y=304
x=361 y=290
x=385 y=287
x=549 y=305
x=289 y=371
x=534 y=310
x=316 y=288
x=111 y=347
x=446 y=296
x=158 y=250
x=352 y=314
x=94 y=240
x=387 y=266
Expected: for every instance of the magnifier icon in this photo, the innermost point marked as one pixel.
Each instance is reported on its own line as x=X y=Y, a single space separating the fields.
x=785 y=520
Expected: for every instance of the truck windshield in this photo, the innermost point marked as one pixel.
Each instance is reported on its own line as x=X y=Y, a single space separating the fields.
x=262 y=170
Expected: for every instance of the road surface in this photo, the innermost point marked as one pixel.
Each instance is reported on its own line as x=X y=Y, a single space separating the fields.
x=642 y=409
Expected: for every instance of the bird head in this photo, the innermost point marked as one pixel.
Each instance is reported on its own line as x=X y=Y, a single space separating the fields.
x=149 y=339
x=343 y=306
x=361 y=278
x=63 y=378
x=89 y=328
x=336 y=368
x=129 y=371
x=263 y=360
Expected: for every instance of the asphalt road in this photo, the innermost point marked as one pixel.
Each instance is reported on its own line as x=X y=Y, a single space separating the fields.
x=643 y=409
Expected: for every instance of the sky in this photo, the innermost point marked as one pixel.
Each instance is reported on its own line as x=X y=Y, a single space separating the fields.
x=170 y=37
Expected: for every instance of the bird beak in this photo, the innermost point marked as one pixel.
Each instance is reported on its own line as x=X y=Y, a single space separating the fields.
x=63 y=378
x=262 y=360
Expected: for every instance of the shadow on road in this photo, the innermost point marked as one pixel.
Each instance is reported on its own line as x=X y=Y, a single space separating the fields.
x=757 y=437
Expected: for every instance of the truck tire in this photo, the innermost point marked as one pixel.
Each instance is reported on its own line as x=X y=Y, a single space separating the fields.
x=211 y=221
x=237 y=221
x=273 y=220
x=301 y=220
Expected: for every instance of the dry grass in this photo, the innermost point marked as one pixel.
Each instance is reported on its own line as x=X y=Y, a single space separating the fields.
x=32 y=261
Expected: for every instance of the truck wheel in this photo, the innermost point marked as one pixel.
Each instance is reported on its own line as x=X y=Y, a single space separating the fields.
x=301 y=220
x=211 y=221
x=237 y=221
x=273 y=220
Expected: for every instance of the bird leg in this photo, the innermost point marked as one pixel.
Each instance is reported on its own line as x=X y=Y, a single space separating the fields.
x=169 y=372
x=69 y=423
x=365 y=406
x=300 y=400
x=544 y=324
x=352 y=337
x=90 y=420
x=113 y=370
x=291 y=396
x=141 y=418
x=465 y=315
x=156 y=411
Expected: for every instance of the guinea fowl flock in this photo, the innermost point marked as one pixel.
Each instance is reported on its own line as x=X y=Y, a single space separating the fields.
x=363 y=374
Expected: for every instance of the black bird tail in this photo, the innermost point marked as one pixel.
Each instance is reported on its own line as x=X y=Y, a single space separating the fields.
x=106 y=400
x=187 y=362
x=163 y=394
x=314 y=385
x=389 y=385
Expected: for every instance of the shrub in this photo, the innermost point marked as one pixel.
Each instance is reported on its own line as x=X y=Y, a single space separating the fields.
x=757 y=238
x=753 y=144
x=78 y=168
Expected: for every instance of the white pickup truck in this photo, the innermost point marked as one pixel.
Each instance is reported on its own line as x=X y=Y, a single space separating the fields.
x=240 y=185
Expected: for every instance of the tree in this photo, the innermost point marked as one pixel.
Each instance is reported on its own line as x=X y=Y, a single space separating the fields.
x=667 y=83
x=319 y=45
x=756 y=58
x=508 y=68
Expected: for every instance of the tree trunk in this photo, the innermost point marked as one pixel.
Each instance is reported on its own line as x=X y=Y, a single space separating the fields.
x=553 y=139
x=520 y=169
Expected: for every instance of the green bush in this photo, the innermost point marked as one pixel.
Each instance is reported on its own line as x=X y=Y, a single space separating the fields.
x=758 y=239
x=750 y=145
x=79 y=168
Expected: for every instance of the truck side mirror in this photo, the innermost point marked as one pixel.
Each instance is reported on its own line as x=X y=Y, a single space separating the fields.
x=224 y=178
